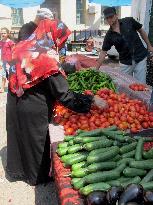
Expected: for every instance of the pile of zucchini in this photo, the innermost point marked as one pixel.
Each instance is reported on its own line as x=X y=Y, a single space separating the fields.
x=104 y=158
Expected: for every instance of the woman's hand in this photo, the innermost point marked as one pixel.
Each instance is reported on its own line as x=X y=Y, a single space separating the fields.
x=99 y=102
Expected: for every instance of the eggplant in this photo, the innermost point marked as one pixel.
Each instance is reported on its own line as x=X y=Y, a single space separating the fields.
x=132 y=193
x=113 y=195
x=148 y=198
x=132 y=203
x=97 y=198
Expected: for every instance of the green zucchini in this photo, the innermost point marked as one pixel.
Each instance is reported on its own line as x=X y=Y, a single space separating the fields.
x=116 y=158
x=68 y=138
x=63 y=144
x=113 y=135
x=113 y=183
x=135 y=180
x=74 y=148
x=149 y=154
x=129 y=154
x=81 y=157
x=71 y=142
x=69 y=156
x=128 y=148
x=125 y=160
x=101 y=176
x=124 y=179
x=104 y=156
x=77 y=140
x=133 y=172
x=148 y=177
x=94 y=187
x=97 y=144
x=97 y=132
x=100 y=150
x=143 y=164
x=79 y=165
x=80 y=173
x=139 y=150
x=92 y=139
x=120 y=168
x=148 y=186
x=62 y=151
x=101 y=166
x=78 y=184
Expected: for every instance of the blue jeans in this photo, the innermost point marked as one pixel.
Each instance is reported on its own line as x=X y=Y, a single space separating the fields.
x=4 y=70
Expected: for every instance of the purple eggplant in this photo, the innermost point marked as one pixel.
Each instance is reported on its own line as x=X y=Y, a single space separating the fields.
x=113 y=195
x=97 y=198
x=148 y=198
x=132 y=193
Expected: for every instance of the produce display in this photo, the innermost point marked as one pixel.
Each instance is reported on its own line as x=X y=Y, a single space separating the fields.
x=138 y=87
x=101 y=163
x=107 y=165
x=125 y=113
x=89 y=80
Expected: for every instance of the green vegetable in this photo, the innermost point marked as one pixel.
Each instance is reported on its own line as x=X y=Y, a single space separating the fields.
x=135 y=180
x=148 y=186
x=101 y=166
x=78 y=184
x=143 y=164
x=71 y=142
x=104 y=156
x=133 y=172
x=129 y=154
x=148 y=177
x=100 y=150
x=69 y=156
x=120 y=168
x=79 y=165
x=80 y=173
x=92 y=139
x=63 y=145
x=139 y=150
x=116 y=158
x=128 y=148
x=101 y=176
x=125 y=160
x=97 y=144
x=94 y=187
x=81 y=157
x=74 y=148
x=62 y=151
x=114 y=183
x=68 y=138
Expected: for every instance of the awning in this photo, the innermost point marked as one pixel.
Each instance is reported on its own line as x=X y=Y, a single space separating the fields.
x=21 y=3
x=112 y=2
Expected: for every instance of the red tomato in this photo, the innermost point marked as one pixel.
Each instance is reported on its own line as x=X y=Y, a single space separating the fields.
x=69 y=131
x=145 y=125
x=134 y=130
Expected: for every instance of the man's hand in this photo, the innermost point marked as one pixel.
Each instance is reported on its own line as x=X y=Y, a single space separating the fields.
x=99 y=102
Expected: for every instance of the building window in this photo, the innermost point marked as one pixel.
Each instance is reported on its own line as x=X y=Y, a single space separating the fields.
x=80 y=11
x=17 y=17
x=103 y=21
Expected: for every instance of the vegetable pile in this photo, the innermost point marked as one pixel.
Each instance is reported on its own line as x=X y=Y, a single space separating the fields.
x=89 y=80
x=105 y=158
x=123 y=112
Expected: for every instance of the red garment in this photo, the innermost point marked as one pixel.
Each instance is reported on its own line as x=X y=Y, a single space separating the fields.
x=36 y=57
x=6 y=50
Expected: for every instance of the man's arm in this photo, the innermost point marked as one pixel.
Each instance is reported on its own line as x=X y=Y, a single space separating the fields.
x=101 y=58
x=146 y=39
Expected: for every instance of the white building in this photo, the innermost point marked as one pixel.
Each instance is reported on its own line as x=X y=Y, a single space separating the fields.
x=77 y=14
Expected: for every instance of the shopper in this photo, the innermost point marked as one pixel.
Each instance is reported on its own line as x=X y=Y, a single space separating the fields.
x=35 y=83
x=124 y=35
x=6 y=46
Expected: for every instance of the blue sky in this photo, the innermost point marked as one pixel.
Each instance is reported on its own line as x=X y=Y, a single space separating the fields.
x=112 y=2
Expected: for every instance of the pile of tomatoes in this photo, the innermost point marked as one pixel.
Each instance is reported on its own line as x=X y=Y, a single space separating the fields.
x=138 y=87
x=123 y=112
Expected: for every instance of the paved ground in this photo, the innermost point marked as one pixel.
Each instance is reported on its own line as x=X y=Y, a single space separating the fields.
x=19 y=193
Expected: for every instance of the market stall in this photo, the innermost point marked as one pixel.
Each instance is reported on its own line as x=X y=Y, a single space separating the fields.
x=96 y=155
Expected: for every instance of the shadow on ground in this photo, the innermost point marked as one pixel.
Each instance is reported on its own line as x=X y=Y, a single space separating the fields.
x=46 y=194
x=3 y=155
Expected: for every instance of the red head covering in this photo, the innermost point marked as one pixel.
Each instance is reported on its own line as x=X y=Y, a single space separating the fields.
x=36 y=58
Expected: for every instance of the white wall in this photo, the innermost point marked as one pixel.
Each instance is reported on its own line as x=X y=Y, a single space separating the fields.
x=5 y=16
x=141 y=12
x=125 y=11
x=29 y=13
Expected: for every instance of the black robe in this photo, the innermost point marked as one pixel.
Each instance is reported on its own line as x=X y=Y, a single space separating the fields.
x=27 y=122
